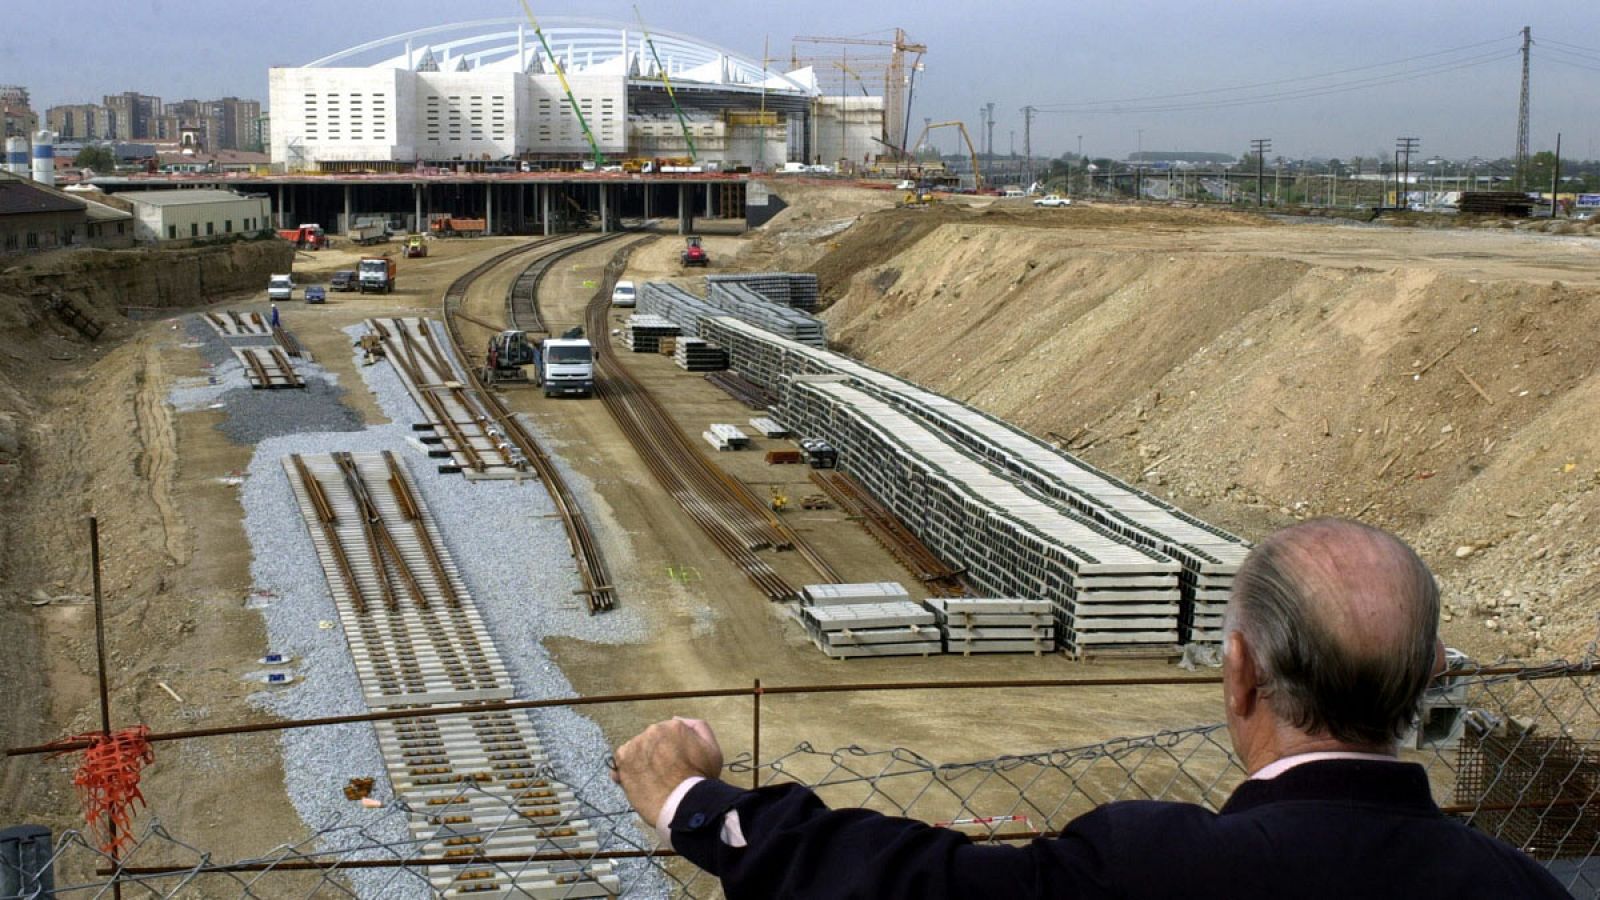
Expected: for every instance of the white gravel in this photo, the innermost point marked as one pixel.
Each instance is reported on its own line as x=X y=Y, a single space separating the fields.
x=515 y=560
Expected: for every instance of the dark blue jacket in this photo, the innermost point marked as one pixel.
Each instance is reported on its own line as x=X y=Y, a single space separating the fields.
x=1336 y=828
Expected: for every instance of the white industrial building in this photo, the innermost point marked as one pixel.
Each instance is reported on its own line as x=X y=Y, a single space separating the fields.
x=185 y=215
x=479 y=92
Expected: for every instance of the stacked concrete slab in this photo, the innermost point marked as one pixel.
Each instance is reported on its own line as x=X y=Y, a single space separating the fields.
x=1209 y=555
x=800 y=290
x=845 y=594
x=643 y=333
x=1108 y=594
x=994 y=625
x=749 y=306
x=694 y=354
x=895 y=628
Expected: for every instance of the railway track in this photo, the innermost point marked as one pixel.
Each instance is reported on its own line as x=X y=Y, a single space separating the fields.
x=738 y=522
x=268 y=367
x=592 y=572
x=478 y=783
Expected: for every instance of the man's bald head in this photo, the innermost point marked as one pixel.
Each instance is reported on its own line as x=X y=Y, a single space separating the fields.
x=1342 y=619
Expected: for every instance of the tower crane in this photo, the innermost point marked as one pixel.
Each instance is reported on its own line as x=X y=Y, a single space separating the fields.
x=896 y=101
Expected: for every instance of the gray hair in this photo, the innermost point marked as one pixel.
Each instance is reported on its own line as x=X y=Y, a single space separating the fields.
x=1313 y=678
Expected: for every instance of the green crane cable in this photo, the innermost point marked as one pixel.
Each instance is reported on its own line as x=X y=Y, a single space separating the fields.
x=683 y=121
x=594 y=146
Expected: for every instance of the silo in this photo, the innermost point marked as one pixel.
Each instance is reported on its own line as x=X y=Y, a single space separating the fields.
x=17 y=156
x=44 y=157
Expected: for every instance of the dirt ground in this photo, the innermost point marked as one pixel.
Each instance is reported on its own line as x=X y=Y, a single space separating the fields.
x=1439 y=382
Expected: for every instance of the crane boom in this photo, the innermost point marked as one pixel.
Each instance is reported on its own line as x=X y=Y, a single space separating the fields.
x=977 y=174
x=683 y=120
x=594 y=146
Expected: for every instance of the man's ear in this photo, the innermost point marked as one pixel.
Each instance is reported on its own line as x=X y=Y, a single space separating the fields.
x=1240 y=684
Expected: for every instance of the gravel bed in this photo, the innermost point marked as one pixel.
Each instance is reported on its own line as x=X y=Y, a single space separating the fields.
x=497 y=532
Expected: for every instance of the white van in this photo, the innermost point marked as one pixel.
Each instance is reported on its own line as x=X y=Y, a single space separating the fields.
x=280 y=287
x=624 y=294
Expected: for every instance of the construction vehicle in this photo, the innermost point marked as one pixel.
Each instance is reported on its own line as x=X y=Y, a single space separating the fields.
x=376 y=274
x=368 y=232
x=416 y=247
x=305 y=237
x=565 y=364
x=451 y=226
x=694 y=253
x=509 y=352
x=977 y=173
x=919 y=196
x=779 y=501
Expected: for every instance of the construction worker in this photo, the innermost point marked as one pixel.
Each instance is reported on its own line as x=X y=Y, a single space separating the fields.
x=274 y=315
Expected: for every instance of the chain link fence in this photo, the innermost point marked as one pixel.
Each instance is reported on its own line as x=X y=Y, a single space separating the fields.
x=1511 y=750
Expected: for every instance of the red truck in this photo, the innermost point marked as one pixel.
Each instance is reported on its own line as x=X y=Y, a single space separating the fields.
x=306 y=237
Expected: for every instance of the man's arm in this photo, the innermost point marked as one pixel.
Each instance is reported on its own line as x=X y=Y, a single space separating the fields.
x=798 y=848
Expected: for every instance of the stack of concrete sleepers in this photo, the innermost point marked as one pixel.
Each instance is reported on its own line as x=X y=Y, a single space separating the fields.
x=675 y=305
x=644 y=333
x=843 y=594
x=894 y=628
x=699 y=355
x=797 y=289
x=1209 y=555
x=749 y=306
x=995 y=625
x=1108 y=594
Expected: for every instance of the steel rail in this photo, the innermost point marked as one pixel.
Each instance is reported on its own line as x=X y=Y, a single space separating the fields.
x=597 y=589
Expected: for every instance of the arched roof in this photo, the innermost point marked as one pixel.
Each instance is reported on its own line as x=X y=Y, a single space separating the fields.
x=583 y=46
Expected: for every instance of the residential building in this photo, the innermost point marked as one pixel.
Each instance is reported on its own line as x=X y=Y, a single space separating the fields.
x=197 y=215
x=135 y=115
x=81 y=122
x=17 y=117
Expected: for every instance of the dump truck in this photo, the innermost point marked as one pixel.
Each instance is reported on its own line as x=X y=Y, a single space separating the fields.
x=452 y=226
x=565 y=364
x=305 y=237
x=376 y=274
x=369 y=232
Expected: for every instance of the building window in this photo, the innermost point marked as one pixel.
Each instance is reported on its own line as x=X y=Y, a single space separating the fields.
x=211 y=228
x=172 y=232
x=11 y=242
x=227 y=226
x=33 y=241
x=194 y=229
x=119 y=228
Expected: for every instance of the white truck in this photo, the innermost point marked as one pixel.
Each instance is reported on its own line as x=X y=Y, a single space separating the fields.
x=565 y=364
x=369 y=231
x=280 y=287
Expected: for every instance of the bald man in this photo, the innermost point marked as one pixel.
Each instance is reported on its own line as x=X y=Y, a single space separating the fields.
x=1331 y=639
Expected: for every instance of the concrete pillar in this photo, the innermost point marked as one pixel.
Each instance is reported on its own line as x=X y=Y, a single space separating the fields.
x=605 y=209
x=416 y=219
x=522 y=220
x=647 y=200
x=488 y=209
x=685 y=214
x=544 y=210
x=710 y=213
x=277 y=214
x=349 y=223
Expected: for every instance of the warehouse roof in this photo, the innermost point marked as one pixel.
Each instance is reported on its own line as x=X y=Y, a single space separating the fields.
x=20 y=197
x=182 y=197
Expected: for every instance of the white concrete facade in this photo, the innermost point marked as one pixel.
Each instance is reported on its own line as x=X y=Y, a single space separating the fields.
x=183 y=215
x=373 y=114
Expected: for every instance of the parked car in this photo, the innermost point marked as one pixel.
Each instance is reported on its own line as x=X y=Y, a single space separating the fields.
x=316 y=294
x=343 y=280
x=1053 y=201
x=624 y=294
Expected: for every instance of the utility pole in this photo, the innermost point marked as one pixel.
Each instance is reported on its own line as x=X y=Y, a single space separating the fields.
x=1027 y=139
x=1520 y=168
x=1404 y=147
x=1555 y=177
x=1260 y=147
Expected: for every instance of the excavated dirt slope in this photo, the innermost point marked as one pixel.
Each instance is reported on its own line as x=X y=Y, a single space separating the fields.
x=1441 y=383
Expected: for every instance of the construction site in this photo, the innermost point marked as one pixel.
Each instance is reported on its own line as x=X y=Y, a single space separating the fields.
x=338 y=568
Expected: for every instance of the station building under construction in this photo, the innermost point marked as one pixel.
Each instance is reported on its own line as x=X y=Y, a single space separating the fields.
x=479 y=95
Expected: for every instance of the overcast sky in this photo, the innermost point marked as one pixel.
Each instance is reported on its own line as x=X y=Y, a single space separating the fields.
x=1075 y=57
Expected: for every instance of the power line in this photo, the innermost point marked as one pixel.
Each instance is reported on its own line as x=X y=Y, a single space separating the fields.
x=1549 y=41
x=1276 y=82
x=1302 y=93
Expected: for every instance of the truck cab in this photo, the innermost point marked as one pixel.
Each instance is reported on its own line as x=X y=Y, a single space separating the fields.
x=376 y=274
x=565 y=365
x=280 y=287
